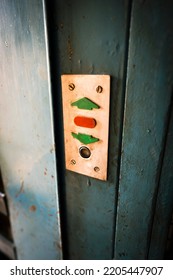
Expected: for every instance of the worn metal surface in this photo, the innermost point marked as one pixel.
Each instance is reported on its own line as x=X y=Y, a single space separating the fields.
x=89 y=37
x=27 y=150
x=148 y=95
x=85 y=87
x=164 y=206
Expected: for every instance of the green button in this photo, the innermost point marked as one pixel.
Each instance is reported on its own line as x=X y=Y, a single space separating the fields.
x=85 y=103
x=85 y=138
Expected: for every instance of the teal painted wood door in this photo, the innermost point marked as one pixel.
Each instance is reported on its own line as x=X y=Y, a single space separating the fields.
x=89 y=37
x=145 y=201
x=27 y=146
x=131 y=41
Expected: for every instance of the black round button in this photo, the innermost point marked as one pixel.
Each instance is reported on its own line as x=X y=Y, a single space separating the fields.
x=84 y=152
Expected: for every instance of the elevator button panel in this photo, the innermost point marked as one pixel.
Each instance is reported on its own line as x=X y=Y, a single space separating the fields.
x=86 y=123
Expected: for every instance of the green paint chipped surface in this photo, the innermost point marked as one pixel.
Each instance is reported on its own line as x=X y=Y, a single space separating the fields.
x=85 y=138
x=86 y=104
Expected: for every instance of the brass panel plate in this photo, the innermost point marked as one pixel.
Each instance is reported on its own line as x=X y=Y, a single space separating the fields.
x=97 y=89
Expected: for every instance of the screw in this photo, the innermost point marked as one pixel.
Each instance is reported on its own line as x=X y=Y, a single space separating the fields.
x=73 y=162
x=99 y=89
x=71 y=86
x=96 y=169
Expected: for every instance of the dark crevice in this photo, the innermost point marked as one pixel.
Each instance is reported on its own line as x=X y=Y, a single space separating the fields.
x=5 y=225
x=55 y=75
x=159 y=171
x=125 y=67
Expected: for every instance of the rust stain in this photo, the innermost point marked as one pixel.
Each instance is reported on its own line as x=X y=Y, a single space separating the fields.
x=33 y=208
x=21 y=189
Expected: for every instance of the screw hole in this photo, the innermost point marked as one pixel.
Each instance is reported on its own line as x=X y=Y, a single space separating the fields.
x=96 y=169
x=71 y=87
x=73 y=162
x=99 y=89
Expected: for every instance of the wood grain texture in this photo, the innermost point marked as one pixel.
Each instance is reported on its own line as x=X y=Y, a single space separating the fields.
x=27 y=150
x=164 y=203
x=89 y=37
x=148 y=96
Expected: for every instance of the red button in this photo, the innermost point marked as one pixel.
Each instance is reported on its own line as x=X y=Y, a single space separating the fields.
x=85 y=122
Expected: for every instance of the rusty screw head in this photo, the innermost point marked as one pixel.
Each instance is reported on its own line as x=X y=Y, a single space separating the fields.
x=73 y=162
x=96 y=169
x=71 y=87
x=99 y=89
